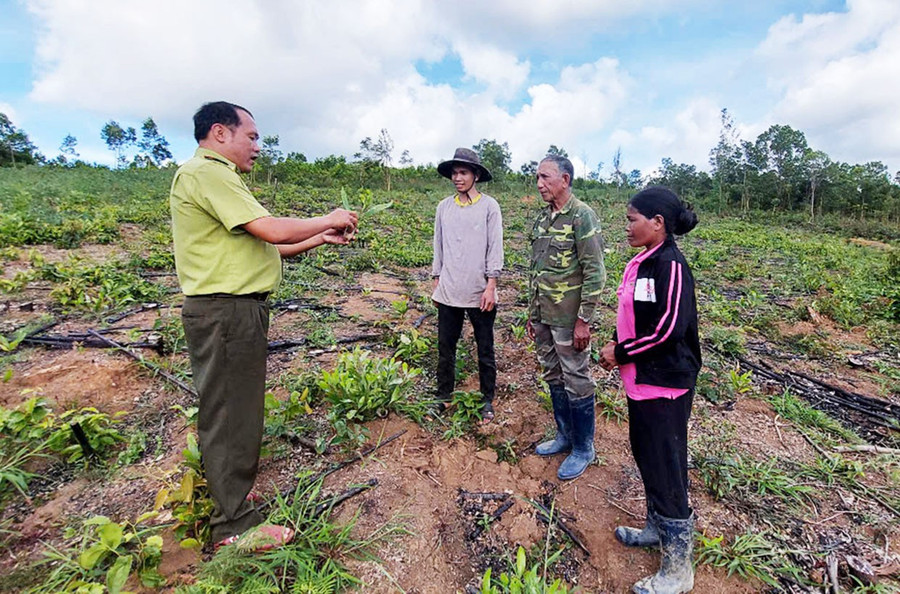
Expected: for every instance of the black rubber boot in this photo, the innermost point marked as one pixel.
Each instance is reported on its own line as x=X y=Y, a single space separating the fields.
x=562 y=442
x=582 y=439
x=676 y=571
x=636 y=537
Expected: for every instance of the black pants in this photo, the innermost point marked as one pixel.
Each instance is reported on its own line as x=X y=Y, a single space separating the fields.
x=450 y=323
x=226 y=338
x=657 y=430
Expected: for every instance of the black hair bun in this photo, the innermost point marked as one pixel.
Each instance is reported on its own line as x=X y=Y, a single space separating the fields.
x=687 y=220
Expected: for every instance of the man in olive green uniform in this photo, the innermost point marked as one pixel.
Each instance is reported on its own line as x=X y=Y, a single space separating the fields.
x=228 y=252
x=567 y=276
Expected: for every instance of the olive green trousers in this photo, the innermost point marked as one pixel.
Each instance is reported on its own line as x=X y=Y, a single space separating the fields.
x=227 y=342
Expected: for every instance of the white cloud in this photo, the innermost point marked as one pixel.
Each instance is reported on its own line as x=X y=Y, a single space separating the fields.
x=10 y=112
x=839 y=76
x=686 y=139
x=502 y=72
x=323 y=75
x=570 y=113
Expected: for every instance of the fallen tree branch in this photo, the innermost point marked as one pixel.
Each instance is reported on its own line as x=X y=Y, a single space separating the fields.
x=483 y=496
x=308 y=443
x=553 y=518
x=335 y=501
x=147 y=364
x=479 y=528
x=872 y=414
x=281 y=345
x=130 y=312
x=288 y=493
x=297 y=304
x=866 y=448
x=421 y=319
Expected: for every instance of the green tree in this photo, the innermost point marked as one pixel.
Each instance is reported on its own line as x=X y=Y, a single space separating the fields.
x=67 y=148
x=724 y=159
x=15 y=147
x=816 y=164
x=495 y=156
x=785 y=148
x=618 y=177
x=529 y=169
x=153 y=144
x=633 y=179
x=557 y=151
x=380 y=152
x=683 y=179
x=118 y=139
x=270 y=156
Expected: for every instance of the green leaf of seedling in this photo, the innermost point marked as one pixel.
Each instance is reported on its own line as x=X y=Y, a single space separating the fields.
x=520 y=561
x=190 y=543
x=110 y=535
x=155 y=541
x=378 y=208
x=146 y=516
x=97 y=521
x=118 y=574
x=89 y=557
x=345 y=201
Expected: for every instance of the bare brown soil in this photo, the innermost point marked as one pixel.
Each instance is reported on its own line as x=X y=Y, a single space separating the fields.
x=420 y=475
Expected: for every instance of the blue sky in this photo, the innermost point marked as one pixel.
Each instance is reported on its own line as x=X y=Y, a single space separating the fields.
x=648 y=77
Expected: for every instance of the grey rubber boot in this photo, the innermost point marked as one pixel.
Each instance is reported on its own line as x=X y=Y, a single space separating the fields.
x=676 y=571
x=636 y=537
x=562 y=442
x=582 y=439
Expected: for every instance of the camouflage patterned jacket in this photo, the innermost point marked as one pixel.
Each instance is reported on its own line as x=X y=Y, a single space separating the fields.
x=567 y=272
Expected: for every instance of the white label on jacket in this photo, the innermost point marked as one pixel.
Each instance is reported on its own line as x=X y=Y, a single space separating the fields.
x=645 y=290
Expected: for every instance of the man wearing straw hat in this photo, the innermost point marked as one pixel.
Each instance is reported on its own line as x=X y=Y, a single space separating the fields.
x=468 y=257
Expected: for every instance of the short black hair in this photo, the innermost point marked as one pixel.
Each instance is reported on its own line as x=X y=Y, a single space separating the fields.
x=563 y=165
x=216 y=112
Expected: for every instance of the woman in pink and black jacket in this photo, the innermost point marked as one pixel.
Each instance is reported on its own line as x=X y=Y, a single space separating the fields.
x=657 y=350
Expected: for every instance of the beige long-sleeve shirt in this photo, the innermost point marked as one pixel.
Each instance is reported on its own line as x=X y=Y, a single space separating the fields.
x=468 y=249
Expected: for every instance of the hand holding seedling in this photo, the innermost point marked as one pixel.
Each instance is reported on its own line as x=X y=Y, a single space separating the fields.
x=338 y=237
x=344 y=220
x=367 y=207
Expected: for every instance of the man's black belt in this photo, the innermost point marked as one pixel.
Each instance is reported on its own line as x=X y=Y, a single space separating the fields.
x=256 y=296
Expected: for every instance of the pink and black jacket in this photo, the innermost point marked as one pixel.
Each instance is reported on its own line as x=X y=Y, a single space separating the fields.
x=665 y=348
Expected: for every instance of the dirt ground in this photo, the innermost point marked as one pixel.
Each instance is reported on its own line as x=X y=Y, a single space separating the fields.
x=420 y=476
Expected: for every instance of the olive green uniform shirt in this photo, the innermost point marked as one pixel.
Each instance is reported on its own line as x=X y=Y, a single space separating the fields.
x=213 y=253
x=567 y=272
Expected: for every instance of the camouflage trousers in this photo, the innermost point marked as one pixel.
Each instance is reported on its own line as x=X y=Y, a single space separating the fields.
x=560 y=362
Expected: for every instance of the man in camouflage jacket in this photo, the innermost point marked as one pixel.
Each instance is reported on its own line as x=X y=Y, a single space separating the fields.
x=567 y=276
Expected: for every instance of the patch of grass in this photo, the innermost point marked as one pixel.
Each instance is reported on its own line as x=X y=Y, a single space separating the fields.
x=752 y=556
x=795 y=410
x=741 y=477
x=611 y=406
x=313 y=562
x=729 y=340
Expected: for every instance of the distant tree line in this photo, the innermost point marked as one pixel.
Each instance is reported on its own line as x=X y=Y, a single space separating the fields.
x=150 y=150
x=776 y=171
x=780 y=171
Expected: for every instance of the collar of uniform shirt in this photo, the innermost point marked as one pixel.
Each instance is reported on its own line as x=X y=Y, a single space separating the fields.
x=465 y=204
x=214 y=156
